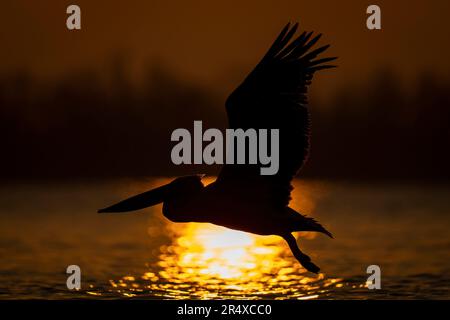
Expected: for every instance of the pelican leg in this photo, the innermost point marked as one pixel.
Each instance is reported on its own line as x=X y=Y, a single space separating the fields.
x=304 y=260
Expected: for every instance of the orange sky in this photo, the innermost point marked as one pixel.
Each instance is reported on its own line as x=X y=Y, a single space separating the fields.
x=218 y=42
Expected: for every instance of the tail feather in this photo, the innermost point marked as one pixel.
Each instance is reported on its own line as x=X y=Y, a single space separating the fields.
x=305 y=223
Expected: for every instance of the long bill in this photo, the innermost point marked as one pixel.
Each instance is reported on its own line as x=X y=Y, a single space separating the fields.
x=140 y=201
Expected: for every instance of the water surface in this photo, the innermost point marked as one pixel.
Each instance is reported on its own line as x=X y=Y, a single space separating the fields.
x=44 y=227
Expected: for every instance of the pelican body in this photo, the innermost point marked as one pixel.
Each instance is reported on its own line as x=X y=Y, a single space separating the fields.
x=272 y=96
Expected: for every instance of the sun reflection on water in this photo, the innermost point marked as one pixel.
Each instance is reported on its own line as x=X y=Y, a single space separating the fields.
x=205 y=261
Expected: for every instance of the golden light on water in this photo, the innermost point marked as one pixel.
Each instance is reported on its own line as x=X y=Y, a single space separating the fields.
x=205 y=261
x=212 y=253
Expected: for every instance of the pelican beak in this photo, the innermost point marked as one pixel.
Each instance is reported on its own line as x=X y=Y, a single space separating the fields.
x=140 y=201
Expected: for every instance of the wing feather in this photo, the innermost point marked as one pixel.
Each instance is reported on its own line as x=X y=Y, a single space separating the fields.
x=274 y=96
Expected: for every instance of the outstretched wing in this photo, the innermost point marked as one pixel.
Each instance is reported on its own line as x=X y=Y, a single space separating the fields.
x=273 y=96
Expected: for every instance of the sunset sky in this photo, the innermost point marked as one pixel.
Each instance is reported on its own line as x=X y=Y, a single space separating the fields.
x=218 y=42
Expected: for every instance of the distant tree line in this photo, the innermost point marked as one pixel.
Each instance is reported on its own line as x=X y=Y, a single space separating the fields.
x=78 y=128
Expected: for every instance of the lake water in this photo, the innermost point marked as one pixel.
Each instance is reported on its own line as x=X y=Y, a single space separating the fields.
x=44 y=227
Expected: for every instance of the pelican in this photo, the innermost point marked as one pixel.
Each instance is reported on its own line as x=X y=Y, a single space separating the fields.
x=274 y=95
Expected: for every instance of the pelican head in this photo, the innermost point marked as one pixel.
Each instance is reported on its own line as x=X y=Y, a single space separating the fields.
x=184 y=186
x=180 y=193
x=174 y=195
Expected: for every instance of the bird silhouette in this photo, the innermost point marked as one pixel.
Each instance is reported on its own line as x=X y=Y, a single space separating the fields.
x=272 y=96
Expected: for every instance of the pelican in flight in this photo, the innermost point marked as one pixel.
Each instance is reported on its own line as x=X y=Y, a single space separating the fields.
x=272 y=96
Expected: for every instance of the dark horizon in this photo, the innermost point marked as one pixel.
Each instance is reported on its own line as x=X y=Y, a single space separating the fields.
x=81 y=128
x=70 y=100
